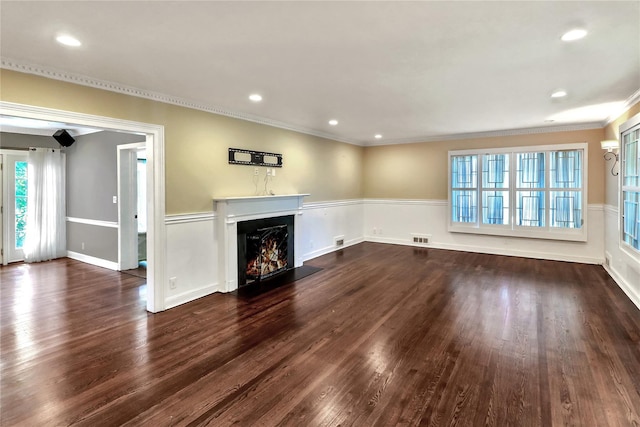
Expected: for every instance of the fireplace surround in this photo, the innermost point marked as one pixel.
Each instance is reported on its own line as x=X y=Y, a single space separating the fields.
x=232 y=212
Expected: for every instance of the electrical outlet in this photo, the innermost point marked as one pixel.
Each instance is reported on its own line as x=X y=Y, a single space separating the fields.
x=172 y=283
x=83 y=245
x=115 y=199
x=375 y=230
x=256 y=171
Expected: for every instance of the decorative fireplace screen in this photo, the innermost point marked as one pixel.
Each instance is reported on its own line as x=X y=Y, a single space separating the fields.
x=267 y=252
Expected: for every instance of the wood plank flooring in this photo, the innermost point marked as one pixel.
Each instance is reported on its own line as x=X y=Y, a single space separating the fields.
x=384 y=335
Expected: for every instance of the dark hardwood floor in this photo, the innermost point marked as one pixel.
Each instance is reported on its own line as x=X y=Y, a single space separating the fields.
x=383 y=335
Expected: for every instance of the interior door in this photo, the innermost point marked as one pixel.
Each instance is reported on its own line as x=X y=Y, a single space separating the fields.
x=2 y=203
x=127 y=206
x=14 y=206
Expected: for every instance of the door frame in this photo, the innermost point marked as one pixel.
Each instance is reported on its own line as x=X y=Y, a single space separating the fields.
x=154 y=144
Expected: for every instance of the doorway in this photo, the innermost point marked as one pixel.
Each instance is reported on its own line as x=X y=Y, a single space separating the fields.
x=14 y=204
x=154 y=145
x=132 y=208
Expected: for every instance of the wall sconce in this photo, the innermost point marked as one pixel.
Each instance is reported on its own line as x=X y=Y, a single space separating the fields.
x=610 y=145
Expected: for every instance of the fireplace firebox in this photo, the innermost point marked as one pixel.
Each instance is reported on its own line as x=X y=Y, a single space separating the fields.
x=265 y=248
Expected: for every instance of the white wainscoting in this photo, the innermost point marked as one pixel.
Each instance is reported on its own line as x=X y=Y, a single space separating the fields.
x=396 y=221
x=192 y=243
x=100 y=262
x=191 y=257
x=324 y=222
x=622 y=268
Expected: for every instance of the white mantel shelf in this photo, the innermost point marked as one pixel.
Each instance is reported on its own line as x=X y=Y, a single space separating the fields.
x=256 y=207
x=249 y=198
x=231 y=210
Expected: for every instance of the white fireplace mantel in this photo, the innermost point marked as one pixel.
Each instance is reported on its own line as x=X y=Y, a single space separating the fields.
x=231 y=210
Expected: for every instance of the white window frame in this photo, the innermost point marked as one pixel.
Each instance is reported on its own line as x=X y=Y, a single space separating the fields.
x=628 y=126
x=513 y=230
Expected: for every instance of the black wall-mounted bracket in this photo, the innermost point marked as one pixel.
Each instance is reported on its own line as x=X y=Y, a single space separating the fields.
x=238 y=156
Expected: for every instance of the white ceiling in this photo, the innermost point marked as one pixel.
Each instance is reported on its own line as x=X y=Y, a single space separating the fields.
x=22 y=125
x=411 y=71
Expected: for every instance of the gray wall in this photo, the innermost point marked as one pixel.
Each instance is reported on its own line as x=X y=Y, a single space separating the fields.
x=92 y=178
x=99 y=242
x=91 y=184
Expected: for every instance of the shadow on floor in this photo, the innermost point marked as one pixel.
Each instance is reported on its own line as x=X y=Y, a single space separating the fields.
x=290 y=276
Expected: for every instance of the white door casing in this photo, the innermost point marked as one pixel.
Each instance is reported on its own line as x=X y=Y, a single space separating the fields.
x=154 y=145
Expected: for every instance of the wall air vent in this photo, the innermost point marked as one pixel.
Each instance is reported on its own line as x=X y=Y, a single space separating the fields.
x=420 y=239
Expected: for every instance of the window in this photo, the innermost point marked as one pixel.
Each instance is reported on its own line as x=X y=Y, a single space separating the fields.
x=524 y=192
x=20 y=203
x=630 y=206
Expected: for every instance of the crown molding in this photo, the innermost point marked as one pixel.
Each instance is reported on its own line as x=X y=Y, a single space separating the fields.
x=19 y=66
x=495 y=133
x=630 y=102
x=22 y=67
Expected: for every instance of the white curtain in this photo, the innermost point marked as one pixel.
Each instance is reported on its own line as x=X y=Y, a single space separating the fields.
x=46 y=234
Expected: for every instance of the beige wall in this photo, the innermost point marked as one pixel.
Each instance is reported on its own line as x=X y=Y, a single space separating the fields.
x=419 y=171
x=612 y=132
x=196 y=145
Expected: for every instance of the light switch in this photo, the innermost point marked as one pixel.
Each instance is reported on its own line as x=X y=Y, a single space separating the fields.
x=115 y=199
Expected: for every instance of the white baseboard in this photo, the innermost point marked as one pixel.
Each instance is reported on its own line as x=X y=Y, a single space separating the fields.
x=389 y=240
x=520 y=253
x=93 y=260
x=329 y=249
x=622 y=284
x=491 y=251
x=191 y=295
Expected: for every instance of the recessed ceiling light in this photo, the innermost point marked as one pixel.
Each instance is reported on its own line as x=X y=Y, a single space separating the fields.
x=333 y=122
x=559 y=94
x=68 y=40
x=575 y=34
x=378 y=136
x=255 y=97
